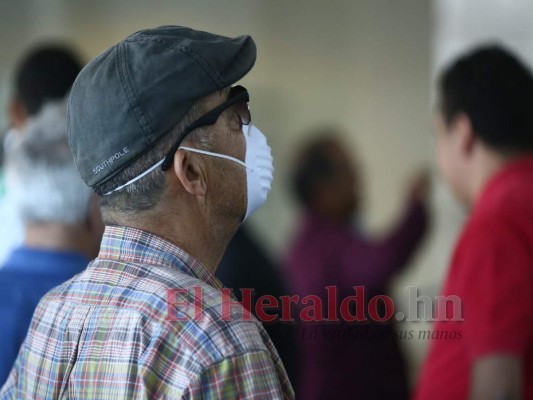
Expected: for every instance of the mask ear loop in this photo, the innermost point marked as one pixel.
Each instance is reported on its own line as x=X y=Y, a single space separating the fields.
x=136 y=178
x=247 y=130
x=208 y=153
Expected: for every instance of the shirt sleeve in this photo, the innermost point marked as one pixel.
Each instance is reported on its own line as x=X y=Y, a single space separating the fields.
x=248 y=376
x=495 y=266
x=374 y=264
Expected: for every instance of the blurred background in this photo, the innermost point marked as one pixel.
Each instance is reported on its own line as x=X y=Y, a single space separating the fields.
x=365 y=66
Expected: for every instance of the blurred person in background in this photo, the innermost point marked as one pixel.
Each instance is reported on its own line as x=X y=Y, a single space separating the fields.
x=62 y=226
x=341 y=360
x=159 y=131
x=485 y=155
x=45 y=74
x=246 y=264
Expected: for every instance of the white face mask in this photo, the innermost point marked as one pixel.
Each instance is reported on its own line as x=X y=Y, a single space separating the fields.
x=258 y=164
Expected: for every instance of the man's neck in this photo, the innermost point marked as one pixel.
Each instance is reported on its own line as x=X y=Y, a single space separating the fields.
x=206 y=243
x=51 y=236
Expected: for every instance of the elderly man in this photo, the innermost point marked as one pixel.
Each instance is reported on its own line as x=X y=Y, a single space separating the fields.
x=485 y=154
x=158 y=131
x=62 y=227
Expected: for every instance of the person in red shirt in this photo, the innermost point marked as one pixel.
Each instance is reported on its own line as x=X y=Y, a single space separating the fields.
x=485 y=155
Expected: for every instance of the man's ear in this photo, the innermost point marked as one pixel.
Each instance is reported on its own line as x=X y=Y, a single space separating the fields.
x=17 y=113
x=190 y=172
x=464 y=133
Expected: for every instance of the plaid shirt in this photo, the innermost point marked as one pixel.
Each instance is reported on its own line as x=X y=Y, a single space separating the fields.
x=105 y=334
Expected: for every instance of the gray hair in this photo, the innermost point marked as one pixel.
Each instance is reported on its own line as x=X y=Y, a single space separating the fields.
x=41 y=177
x=144 y=194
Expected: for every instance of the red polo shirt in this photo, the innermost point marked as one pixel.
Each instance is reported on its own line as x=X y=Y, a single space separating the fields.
x=492 y=273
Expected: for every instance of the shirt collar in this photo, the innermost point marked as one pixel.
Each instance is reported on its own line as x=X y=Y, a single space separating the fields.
x=131 y=245
x=516 y=169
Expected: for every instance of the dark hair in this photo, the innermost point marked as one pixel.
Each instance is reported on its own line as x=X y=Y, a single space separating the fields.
x=495 y=89
x=46 y=73
x=314 y=165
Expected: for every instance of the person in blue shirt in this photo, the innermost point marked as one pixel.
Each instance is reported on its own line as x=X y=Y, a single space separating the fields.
x=62 y=225
x=45 y=73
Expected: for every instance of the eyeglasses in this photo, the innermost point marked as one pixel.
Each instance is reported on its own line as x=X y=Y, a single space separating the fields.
x=238 y=98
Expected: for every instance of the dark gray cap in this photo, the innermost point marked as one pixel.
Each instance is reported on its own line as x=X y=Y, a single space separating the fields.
x=129 y=96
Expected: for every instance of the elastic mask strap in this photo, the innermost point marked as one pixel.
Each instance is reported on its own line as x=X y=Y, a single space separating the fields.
x=161 y=162
x=208 y=153
x=136 y=178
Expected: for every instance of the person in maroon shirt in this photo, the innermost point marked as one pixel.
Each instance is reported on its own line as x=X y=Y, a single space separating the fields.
x=343 y=360
x=485 y=154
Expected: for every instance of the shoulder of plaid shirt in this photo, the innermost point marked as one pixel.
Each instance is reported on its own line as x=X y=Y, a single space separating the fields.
x=105 y=334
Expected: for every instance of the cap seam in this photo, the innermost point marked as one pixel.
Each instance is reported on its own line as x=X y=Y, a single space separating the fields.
x=200 y=61
x=69 y=129
x=130 y=92
x=140 y=119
